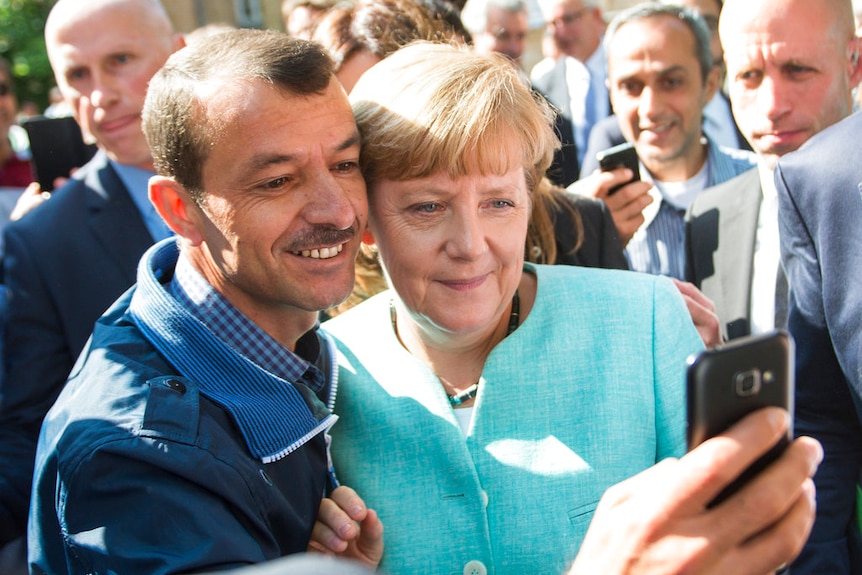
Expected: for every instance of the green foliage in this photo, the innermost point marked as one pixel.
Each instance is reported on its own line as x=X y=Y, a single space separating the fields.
x=22 y=43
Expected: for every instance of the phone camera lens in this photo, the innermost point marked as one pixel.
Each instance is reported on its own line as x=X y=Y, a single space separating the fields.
x=747 y=382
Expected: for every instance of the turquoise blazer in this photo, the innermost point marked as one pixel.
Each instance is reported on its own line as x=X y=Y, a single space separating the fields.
x=587 y=392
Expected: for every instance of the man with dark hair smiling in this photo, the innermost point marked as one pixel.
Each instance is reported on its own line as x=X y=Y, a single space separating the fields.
x=661 y=76
x=225 y=383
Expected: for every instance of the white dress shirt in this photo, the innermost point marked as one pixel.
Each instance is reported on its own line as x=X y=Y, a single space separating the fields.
x=767 y=255
x=658 y=246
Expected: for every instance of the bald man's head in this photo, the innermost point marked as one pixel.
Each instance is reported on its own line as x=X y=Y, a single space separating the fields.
x=104 y=53
x=791 y=68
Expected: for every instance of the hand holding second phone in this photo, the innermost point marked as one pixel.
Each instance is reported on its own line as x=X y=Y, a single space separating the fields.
x=658 y=523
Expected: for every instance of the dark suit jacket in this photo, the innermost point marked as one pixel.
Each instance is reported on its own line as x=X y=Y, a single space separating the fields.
x=820 y=223
x=66 y=262
x=600 y=245
x=565 y=168
x=553 y=87
x=721 y=228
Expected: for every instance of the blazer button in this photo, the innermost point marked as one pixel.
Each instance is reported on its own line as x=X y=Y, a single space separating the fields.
x=475 y=568
x=176 y=385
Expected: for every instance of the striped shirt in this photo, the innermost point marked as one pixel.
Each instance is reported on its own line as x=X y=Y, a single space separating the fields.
x=658 y=246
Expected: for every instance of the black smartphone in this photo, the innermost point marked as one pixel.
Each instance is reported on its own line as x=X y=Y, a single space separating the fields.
x=730 y=381
x=620 y=156
x=56 y=146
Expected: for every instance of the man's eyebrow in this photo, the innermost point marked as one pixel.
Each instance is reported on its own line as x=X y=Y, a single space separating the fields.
x=261 y=162
x=796 y=62
x=353 y=140
x=672 y=69
x=663 y=72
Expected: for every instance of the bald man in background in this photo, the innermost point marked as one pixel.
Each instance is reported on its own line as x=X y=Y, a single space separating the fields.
x=791 y=67
x=71 y=257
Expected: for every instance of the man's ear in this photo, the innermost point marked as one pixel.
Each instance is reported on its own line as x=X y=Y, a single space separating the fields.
x=713 y=81
x=179 y=41
x=855 y=65
x=176 y=207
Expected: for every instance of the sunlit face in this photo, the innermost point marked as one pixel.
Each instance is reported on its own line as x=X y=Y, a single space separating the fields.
x=505 y=32
x=789 y=72
x=658 y=94
x=284 y=202
x=453 y=249
x=103 y=76
x=576 y=29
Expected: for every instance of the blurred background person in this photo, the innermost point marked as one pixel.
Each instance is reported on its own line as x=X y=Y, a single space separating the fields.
x=302 y=16
x=661 y=76
x=15 y=169
x=58 y=107
x=718 y=122
x=574 y=82
x=27 y=109
x=70 y=258
x=360 y=34
x=498 y=26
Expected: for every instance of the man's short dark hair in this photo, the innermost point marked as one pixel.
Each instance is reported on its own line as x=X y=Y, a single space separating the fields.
x=687 y=16
x=179 y=133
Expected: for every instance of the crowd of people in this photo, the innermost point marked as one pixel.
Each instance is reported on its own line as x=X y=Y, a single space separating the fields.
x=354 y=296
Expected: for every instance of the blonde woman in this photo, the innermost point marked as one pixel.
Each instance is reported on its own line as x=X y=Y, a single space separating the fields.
x=487 y=403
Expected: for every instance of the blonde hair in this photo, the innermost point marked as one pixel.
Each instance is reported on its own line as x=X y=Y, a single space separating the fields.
x=432 y=108
x=437 y=107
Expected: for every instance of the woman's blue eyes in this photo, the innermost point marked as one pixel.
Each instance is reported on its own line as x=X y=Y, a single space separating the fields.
x=432 y=207
x=427 y=208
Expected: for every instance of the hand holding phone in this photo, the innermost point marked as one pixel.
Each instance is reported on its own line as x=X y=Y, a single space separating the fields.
x=730 y=381
x=57 y=147
x=620 y=156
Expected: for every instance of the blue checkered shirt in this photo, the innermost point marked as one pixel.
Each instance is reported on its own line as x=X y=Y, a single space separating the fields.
x=230 y=325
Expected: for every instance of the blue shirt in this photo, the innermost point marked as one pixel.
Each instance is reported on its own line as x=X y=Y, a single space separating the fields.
x=137 y=181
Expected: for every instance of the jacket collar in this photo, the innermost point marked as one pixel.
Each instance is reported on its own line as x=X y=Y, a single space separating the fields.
x=274 y=416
